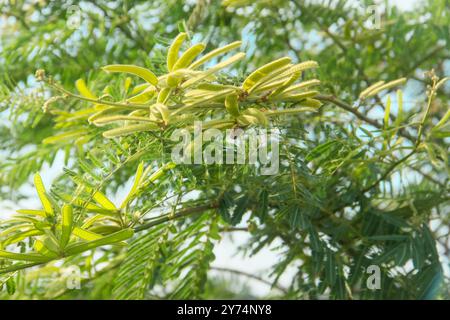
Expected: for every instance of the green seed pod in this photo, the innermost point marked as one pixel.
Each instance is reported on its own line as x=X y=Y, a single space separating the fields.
x=163 y=95
x=101 y=113
x=188 y=56
x=124 y=131
x=144 y=96
x=66 y=224
x=174 y=78
x=173 y=81
x=112 y=119
x=263 y=71
x=106 y=240
x=215 y=53
x=160 y=111
x=143 y=73
x=172 y=54
x=380 y=86
x=298 y=68
x=312 y=103
x=252 y=116
x=231 y=104
x=280 y=85
x=212 y=70
x=262 y=119
x=83 y=89
x=298 y=87
x=295 y=97
x=245 y=120
x=139 y=88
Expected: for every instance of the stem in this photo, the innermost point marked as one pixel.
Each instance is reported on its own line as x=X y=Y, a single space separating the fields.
x=180 y=214
x=359 y=115
x=389 y=170
x=343 y=105
x=252 y=276
x=422 y=123
x=131 y=106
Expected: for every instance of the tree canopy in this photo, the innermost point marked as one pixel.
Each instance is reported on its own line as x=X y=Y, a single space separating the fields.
x=95 y=90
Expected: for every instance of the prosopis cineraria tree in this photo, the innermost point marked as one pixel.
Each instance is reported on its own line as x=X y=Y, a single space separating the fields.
x=362 y=182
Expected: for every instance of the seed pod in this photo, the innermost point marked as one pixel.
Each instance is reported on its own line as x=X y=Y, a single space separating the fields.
x=280 y=85
x=118 y=132
x=215 y=87
x=215 y=53
x=83 y=89
x=101 y=113
x=163 y=95
x=160 y=111
x=143 y=96
x=214 y=96
x=252 y=116
x=85 y=234
x=364 y=93
x=441 y=82
x=143 y=73
x=63 y=137
x=263 y=71
x=298 y=68
x=40 y=247
x=259 y=115
x=172 y=54
x=290 y=111
x=380 y=86
x=312 y=103
x=109 y=239
x=300 y=86
x=66 y=224
x=111 y=119
x=32 y=257
x=212 y=70
x=387 y=112
x=139 y=88
x=295 y=97
x=174 y=78
x=39 y=185
x=231 y=104
x=188 y=56
x=173 y=81
x=127 y=83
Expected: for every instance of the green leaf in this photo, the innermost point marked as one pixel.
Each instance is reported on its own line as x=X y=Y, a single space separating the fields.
x=11 y=286
x=262 y=204
x=330 y=268
x=387 y=112
x=137 y=180
x=63 y=137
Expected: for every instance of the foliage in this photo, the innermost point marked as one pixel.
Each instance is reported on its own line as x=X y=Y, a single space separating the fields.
x=363 y=177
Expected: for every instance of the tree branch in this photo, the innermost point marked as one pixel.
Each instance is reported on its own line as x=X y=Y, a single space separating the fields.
x=179 y=214
x=251 y=276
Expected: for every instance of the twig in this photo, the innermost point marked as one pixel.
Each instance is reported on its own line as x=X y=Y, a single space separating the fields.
x=180 y=214
x=252 y=276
